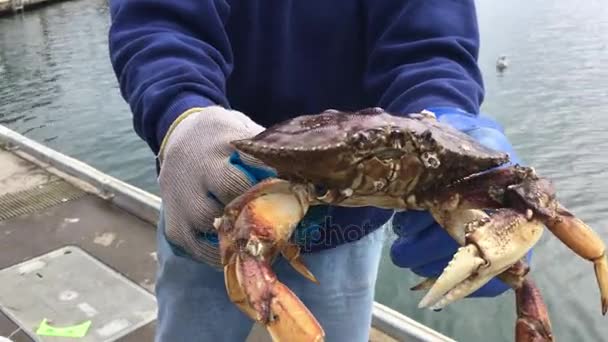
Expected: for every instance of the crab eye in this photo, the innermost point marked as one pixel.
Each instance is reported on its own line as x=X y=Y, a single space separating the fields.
x=360 y=139
x=369 y=138
x=321 y=190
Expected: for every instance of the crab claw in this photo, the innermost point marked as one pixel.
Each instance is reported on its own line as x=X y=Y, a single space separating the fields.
x=235 y=291
x=291 y=252
x=253 y=231
x=492 y=246
x=296 y=323
x=256 y=291
x=466 y=261
x=424 y=285
x=272 y=303
x=454 y=226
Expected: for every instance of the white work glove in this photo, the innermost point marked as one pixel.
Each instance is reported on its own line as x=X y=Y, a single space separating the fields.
x=197 y=178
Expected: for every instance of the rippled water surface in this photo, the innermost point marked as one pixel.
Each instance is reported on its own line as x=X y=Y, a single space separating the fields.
x=57 y=87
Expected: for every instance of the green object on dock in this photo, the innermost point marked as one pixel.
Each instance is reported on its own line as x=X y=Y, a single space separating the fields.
x=77 y=331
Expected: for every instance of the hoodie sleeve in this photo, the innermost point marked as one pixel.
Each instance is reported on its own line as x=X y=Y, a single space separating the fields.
x=168 y=60
x=423 y=53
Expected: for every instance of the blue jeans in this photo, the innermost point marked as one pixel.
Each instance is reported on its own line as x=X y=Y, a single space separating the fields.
x=193 y=304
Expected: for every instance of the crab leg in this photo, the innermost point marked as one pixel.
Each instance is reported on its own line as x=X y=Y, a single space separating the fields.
x=492 y=245
x=533 y=324
x=581 y=239
x=537 y=196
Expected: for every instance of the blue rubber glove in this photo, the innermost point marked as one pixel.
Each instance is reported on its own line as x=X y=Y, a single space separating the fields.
x=422 y=245
x=254 y=173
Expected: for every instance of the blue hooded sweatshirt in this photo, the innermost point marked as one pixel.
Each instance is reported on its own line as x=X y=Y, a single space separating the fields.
x=276 y=59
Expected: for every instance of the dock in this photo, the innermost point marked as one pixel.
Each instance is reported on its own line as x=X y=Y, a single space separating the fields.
x=78 y=254
x=14 y=6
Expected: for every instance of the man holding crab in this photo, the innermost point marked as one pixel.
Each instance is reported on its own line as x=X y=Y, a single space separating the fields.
x=198 y=74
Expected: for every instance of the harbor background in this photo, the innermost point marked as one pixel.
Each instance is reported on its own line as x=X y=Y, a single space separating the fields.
x=57 y=87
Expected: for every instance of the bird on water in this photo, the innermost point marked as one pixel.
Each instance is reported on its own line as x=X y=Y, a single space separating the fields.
x=502 y=63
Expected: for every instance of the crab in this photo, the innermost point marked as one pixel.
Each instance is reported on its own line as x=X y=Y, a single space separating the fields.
x=496 y=211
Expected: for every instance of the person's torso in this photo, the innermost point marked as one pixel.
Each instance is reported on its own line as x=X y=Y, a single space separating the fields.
x=296 y=57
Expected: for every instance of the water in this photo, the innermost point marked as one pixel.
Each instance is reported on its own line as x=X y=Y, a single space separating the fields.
x=57 y=87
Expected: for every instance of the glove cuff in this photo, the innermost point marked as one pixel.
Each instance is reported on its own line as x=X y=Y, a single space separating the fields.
x=211 y=125
x=172 y=127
